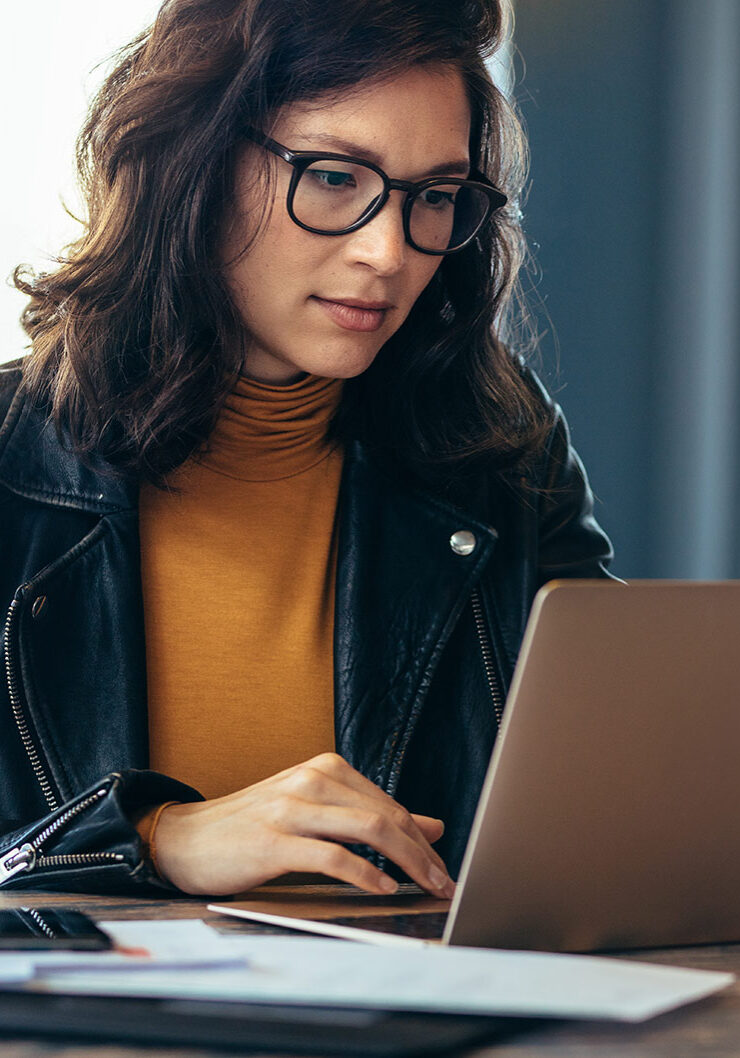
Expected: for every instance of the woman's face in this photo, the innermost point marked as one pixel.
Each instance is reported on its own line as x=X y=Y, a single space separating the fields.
x=298 y=293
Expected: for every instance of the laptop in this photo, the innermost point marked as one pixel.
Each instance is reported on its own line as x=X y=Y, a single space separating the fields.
x=610 y=813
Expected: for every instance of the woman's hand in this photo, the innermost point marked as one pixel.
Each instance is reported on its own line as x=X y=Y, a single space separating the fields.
x=295 y=821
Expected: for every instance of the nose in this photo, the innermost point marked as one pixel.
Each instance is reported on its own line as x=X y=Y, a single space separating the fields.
x=381 y=243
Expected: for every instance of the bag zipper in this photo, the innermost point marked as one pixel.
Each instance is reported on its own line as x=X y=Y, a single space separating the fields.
x=16 y=703
x=487 y=652
x=29 y=856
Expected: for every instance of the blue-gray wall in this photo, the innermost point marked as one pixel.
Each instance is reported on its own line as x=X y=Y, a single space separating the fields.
x=632 y=112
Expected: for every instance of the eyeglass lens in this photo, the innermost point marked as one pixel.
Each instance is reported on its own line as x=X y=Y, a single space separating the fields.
x=333 y=195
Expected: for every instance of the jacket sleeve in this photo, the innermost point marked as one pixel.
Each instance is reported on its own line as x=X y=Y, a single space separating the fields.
x=90 y=844
x=571 y=542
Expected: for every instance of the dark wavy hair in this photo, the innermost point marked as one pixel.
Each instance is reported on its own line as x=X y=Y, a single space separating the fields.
x=135 y=342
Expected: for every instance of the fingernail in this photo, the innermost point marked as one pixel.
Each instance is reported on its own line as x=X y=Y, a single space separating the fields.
x=437 y=878
x=388 y=885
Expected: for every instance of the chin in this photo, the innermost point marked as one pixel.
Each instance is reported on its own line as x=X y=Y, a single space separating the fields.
x=342 y=365
x=347 y=370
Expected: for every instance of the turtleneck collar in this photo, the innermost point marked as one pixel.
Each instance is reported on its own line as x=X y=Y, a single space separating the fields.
x=267 y=432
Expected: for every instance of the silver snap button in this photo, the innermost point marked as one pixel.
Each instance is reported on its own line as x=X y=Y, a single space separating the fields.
x=38 y=604
x=463 y=542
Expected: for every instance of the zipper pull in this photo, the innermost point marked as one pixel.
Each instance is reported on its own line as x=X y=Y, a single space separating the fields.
x=21 y=859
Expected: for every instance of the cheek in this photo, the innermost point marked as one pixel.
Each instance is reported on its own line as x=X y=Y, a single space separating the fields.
x=263 y=267
x=284 y=260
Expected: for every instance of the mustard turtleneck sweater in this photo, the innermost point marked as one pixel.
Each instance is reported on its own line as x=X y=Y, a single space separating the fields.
x=238 y=573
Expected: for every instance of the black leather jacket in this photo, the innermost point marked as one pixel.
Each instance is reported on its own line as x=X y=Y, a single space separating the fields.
x=425 y=643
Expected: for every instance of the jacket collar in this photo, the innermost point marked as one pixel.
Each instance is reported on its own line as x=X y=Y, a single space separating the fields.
x=35 y=463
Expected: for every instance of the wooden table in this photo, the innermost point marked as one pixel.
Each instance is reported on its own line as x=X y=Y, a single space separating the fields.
x=709 y=1029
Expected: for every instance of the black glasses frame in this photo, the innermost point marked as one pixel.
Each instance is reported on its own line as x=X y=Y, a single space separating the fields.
x=300 y=161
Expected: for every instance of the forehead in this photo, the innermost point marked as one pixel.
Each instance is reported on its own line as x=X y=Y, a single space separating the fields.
x=416 y=118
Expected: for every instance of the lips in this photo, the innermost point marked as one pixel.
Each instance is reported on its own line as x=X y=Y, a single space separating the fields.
x=354 y=314
x=357 y=303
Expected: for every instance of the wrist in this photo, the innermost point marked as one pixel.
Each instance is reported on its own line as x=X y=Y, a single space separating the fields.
x=146 y=822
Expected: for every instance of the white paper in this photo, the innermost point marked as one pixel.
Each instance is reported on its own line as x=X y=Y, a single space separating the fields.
x=14 y=968
x=173 y=945
x=308 y=970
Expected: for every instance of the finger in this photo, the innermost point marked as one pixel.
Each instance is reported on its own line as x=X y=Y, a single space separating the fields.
x=315 y=786
x=373 y=828
x=431 y=828
x=335 y=767
x=325 y=857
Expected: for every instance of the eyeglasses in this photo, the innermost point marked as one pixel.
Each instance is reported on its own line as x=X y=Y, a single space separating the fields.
x=333 y=194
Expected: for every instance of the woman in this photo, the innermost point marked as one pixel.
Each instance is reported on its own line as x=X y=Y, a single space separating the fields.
x=276 y=496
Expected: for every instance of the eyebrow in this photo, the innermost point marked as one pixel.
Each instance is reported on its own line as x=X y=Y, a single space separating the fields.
x=460 y=165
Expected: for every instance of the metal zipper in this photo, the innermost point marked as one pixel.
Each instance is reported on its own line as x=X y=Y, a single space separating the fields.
x=40 y=922
x=487 y=651
x=28 y=856
x=493 y=684
x=16 y=704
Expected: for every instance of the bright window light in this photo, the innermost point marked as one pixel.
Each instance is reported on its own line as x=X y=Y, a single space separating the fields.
x=49 y=53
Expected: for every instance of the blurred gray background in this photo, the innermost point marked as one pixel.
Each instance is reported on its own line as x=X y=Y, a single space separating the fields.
x=633 y=112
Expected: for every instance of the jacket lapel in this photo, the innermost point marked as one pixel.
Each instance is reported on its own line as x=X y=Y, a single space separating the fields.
x=400 y=590
x=80 y=637
x=81 y=644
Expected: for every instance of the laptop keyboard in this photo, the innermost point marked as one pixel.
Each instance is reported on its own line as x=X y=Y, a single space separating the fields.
x=424 y=925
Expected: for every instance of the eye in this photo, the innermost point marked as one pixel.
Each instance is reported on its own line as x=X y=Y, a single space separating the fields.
x=331 y=178
x=437 y=198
